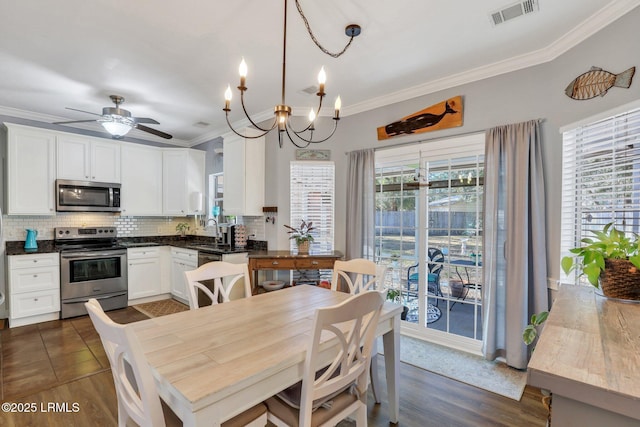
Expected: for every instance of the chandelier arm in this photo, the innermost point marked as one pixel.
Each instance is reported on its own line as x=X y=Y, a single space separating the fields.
x=313 y=37
x=247 y=136
x=298 y=136
x=311 y=141
x=249 y=117
x=297 y=132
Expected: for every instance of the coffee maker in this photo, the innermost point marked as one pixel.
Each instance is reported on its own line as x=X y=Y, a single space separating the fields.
x=228 y=235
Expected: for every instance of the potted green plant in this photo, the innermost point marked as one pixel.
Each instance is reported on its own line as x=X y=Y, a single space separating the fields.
x=611 y=262
x=182 y=228
x=394 y=295
x=302 y=235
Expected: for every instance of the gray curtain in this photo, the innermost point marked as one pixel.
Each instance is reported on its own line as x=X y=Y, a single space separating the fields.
x=514 y=264
x=360 y=205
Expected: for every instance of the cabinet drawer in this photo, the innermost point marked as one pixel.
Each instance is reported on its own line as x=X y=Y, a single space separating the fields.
x=184 y=254
x=271 y=263
x=34 y=303
x=145 y=252
x=313 y=264
x=34 y=279
x=33 y=260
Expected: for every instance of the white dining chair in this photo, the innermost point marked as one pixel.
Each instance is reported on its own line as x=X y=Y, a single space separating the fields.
x=136 y=392
x=338 y=390
x=226 y=277
x=357 y=275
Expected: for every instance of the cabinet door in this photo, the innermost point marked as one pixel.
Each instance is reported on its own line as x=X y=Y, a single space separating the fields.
x=144 y=277
x=141 y=180
x=174 y=182
x=73 y=157
x=105 y=161
x=234 y=175
x=178 y=279
x=31 y=171
x=195 y=181
x=244 y=176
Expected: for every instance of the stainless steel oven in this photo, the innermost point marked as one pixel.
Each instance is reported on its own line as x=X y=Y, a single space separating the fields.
x=92 y=265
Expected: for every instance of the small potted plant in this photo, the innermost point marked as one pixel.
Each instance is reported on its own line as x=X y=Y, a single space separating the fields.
x=302 y=235
x=611 y=262
x=394 y=295
x=182 y=228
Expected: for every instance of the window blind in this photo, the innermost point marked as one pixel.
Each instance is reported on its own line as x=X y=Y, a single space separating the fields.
x=600 y=179
x=312 y=199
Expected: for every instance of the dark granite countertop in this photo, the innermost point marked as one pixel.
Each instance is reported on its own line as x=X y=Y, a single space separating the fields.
x=200 y=243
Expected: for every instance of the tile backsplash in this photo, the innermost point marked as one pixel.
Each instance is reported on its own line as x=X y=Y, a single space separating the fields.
x=14 y=227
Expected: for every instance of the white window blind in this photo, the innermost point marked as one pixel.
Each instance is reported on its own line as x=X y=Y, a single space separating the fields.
x=601 y=179
x=313 y=200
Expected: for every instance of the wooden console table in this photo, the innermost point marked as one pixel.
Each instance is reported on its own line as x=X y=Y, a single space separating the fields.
x=588 y=356
x=286 y=260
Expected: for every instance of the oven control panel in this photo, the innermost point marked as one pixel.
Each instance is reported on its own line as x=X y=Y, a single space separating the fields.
x=64 y=233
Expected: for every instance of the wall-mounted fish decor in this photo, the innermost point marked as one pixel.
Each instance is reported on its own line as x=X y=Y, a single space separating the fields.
x=596 y=82
x=446 y=114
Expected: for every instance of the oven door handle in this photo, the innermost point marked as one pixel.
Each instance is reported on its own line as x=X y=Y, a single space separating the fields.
x=85 y=299
x=69 y=255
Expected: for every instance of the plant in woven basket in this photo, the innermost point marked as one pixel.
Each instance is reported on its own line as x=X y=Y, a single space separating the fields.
x=301 y=234
x=610 y=260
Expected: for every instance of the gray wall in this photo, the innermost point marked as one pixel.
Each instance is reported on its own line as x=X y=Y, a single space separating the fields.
x=535 y=92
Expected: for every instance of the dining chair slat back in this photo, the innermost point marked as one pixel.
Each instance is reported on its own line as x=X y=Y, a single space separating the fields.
x=340 y=388
x=358 y=274
x=138 y=399
x=226 y=277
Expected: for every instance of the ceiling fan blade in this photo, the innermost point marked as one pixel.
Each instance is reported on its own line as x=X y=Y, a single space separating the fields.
x=74 y=121
x=146 y=120
x=82 y=111
x=153 y=131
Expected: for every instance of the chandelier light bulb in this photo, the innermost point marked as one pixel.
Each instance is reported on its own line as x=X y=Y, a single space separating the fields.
x=337 y=107
x=242 y=69
x=322 y=79
x=227 y=97
x=312 y=115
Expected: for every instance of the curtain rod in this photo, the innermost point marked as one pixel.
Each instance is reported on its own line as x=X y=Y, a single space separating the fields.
x=404 y=144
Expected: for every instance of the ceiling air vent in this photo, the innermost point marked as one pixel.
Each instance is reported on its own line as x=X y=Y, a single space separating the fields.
x=513 y=11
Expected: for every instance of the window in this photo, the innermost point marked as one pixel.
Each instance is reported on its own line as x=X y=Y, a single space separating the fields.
x=601 y=179
x=312 y=199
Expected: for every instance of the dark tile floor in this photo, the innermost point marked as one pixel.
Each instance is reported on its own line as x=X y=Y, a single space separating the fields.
x=38 y=357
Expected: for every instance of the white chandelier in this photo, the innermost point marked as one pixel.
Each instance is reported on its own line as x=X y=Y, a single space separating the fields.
x=282 y=111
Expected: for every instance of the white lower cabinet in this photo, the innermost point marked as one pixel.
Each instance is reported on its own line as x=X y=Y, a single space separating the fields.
x=144 y=272
x=34 y=288
x=181 y=260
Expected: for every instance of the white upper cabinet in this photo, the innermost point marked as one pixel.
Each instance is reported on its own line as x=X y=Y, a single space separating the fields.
x=183 y=181
x=88 y=159
x=141 y=170
x=31 y=171
x=244 y=175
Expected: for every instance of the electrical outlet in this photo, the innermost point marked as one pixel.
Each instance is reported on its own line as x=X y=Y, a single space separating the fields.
x=159 y=230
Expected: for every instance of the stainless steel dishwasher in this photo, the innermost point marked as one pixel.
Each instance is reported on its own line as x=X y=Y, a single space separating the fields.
x=203 y=258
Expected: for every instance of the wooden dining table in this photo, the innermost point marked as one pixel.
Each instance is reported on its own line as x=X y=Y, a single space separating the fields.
x=215 y=362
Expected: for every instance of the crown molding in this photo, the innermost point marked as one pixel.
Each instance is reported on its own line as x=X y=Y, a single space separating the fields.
x=578 y=34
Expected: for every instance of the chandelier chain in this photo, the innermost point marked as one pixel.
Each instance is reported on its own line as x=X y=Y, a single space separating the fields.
x=313 y=37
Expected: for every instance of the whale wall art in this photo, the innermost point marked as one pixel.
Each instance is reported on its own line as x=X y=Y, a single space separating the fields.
x=446 y=114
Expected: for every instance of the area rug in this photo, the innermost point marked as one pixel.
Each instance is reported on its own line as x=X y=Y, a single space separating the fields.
x=161 y=308
x=495 y=377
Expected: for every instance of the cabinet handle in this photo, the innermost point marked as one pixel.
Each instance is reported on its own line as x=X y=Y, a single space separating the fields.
x=275 y=263
x=93 y=177
x=35 y=260
x=86 y=176
x=35 y=275
x=35 y=299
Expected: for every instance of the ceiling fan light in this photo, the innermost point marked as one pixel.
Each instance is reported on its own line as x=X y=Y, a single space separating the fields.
x=116 y=128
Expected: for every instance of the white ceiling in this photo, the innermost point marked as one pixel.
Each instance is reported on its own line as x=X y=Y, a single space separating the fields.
x=172 y=61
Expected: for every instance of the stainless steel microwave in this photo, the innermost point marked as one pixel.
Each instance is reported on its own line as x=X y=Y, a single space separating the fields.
x=87 y=196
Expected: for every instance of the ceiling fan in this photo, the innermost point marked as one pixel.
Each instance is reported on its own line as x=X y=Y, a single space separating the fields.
x=118 y=122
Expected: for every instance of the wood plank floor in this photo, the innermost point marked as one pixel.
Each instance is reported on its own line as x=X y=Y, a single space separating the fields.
x=62 y=363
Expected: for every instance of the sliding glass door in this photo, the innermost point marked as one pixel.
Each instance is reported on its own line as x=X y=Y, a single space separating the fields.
x=429 y=234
